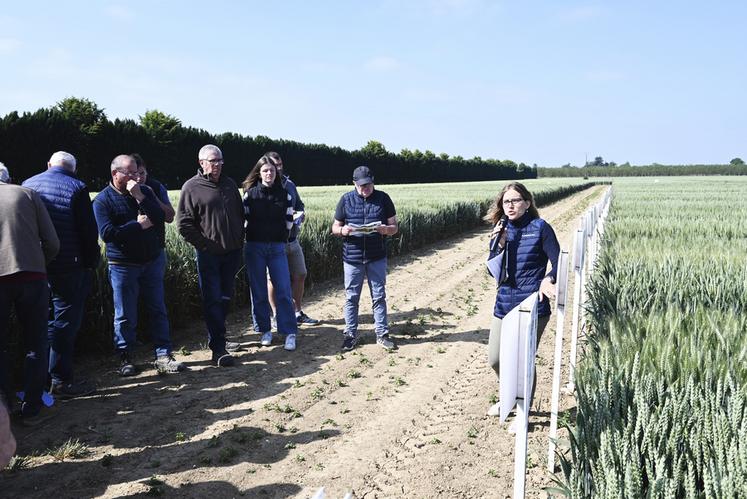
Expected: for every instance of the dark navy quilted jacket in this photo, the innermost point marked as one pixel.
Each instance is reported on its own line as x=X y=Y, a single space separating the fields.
x=69 y=206
x=359 y=210
x=530 y=243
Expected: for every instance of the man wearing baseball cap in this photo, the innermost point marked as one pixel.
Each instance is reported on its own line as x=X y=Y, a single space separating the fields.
x=363 y=218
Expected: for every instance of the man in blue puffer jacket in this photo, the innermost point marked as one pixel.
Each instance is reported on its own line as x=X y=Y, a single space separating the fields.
x=363 y=218
x=70 y=274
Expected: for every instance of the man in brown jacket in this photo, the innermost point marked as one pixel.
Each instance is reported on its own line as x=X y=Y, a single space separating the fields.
x=210 y=217
x=28 y=242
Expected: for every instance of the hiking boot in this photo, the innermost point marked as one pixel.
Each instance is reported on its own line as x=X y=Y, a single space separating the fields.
x=266 y=339
x=304 y=320
x=65 y=391
x=232 y=346
x=290 y=342
x=349 y=342
x=273 y=323
x=126 y=367
x=223 y=359
x=385 y=342
x=168 y=364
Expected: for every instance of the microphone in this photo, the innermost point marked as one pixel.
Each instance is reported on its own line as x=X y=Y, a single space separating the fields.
x=502 y=223
x=495 y=236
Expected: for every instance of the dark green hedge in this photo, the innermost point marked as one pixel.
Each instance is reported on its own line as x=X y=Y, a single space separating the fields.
x=81 y=128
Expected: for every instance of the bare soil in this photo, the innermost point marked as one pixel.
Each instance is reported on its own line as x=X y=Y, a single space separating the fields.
x=410 y=423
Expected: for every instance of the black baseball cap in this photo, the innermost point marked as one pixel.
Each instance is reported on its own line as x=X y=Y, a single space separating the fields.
x=362 y=175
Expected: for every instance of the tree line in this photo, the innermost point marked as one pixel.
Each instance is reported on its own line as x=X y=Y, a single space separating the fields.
x=81 y=127
x=735 y=167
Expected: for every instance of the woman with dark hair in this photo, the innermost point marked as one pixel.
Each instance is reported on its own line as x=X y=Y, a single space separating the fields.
x=526 y=243
x=268 y=212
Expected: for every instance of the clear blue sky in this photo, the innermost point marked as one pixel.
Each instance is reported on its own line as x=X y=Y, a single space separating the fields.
x=540 y=82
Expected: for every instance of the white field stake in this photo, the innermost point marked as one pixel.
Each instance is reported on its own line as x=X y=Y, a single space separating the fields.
x=591 y=245
x=605 y=211
x=528 y=326
x=562 y=289
x=518 y=344
x=587 y=268
x=579 y=253
x=589 y=231
x=601 y=210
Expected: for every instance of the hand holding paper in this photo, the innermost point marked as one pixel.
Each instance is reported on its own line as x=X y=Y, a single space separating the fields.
x=360 y=230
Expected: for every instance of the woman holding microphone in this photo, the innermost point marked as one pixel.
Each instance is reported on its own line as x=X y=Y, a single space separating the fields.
x=526 y=243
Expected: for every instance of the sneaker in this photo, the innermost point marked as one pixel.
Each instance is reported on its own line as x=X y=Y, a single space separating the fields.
x=232 y=346
x=304 y=320
x=349 y=342
x=273 y=323
x=266 y=339
x=223 y=359
x=64 y=391
x=168 y=364
x=494 y=410
x=126 y=367
x=290 y=342
x=385 y=342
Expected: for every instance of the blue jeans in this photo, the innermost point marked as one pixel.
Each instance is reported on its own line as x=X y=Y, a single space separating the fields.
x=259 y=259
x=31 y=301
x=375 y=272
x=68 y=292
x=129 y=282
x=216 y=275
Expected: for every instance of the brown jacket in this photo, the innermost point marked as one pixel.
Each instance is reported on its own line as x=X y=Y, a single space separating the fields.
x=28 y=241
x=210 y=216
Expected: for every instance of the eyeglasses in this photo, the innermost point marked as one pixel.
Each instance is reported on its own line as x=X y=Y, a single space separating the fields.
x=512 y=202
x=214 y=161
x=129 y=174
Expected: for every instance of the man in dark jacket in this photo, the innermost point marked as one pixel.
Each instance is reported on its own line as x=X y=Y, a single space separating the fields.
x=364 y=217
x=131 y=223
x=70 y=273
x=210 y=216
x=28 y=242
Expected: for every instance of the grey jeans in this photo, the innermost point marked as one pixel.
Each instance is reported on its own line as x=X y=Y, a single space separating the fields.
x=375 y=273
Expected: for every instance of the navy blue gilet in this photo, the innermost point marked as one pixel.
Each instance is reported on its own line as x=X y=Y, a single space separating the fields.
x=57 y=187
x=527 y=265
x=360 y=210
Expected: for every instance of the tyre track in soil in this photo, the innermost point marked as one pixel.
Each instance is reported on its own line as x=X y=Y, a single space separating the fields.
x=409 y=423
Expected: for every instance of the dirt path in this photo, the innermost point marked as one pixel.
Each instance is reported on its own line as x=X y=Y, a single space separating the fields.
x=410 y=423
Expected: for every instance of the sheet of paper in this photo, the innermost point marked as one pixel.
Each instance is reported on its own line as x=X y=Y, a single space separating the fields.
x=360 y=230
